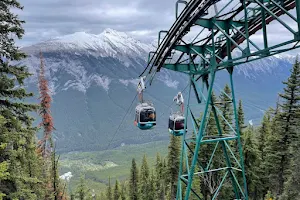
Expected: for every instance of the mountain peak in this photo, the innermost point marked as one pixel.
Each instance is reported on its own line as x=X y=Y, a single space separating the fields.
x=109 y=31
x=109 y=43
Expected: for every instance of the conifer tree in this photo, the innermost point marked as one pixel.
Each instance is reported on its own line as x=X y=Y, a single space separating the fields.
x=210 y=181
x=159 y=178
x=269 y=196
x=241 y=117
x=288 y=119
x=3 y=164
x=109 y=194
x=250 y=162
x=134 y=182
x=173 y=164
x=17 y=129
x=82 y=191
x=117 y=191
x=45 y=113
x=264 y=133
x=123 y=193
x=151 y=186
x=144 y=179
x=272 y=158
x=292 y=186
x=226 y=109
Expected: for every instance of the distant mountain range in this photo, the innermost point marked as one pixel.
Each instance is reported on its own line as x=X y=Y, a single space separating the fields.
x=93 y=82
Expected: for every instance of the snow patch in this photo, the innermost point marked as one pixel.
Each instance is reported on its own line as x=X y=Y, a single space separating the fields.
x=86 y=81
x=166 y=79
x=66 y=176
x=102 y=81
x=126 y=82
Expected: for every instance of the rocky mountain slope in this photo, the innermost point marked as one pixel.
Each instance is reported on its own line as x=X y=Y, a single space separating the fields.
x=93 y=82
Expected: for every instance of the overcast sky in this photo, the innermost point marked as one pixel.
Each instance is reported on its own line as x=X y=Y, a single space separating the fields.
x=142 y=19
x=51 y=18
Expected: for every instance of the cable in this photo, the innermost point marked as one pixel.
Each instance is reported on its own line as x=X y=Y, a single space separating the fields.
x=120 y=123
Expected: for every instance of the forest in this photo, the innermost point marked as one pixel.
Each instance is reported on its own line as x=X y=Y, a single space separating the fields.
x=29 y=167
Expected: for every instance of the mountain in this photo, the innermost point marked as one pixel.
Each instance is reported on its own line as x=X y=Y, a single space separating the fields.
x=93 y=84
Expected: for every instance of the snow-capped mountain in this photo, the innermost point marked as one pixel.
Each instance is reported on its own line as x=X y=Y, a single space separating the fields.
x=93 y=82
x=109 y=43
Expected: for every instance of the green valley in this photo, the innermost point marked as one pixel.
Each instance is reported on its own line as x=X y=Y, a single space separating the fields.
x=97 y=166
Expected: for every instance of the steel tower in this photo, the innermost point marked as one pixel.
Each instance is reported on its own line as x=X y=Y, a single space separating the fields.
x=225 y=40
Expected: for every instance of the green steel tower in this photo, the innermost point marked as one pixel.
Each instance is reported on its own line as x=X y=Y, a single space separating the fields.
x=225 y=39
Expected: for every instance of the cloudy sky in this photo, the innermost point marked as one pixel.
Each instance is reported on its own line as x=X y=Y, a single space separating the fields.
x=50 y=18
x=142 y=19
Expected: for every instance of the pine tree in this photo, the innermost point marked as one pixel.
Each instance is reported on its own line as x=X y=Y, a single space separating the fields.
x=117 y=191
x=20 y=182
x=273 y=155
x=250 y=162
x=45 y=113
x=241 y=117
x=144 y=179
x=109 y=195
x=226 y=109
x=269 y=196
x=292 y=186
x=123 y=192
x=82 y=191
x=159 y=178
x=4 y=164
x=134 y=181
x=264 y=133
x=57 y=187
x=173 y=164
x=288 y=119
x=151 y=186
x=210 y=181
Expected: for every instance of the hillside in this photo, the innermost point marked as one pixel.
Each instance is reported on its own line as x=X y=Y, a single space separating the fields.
x=93 y=80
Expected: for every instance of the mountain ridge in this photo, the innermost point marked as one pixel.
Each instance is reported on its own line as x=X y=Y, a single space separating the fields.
x=92 y=88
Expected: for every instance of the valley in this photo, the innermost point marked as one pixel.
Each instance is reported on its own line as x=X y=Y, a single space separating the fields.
x=96 y=167
x=93 y=80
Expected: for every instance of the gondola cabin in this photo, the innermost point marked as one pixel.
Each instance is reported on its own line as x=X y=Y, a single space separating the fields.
x=145 y=116
x=176 y=124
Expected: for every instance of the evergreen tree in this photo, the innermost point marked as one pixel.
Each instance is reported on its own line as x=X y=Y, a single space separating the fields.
x=173 y=164
x=109 y=195
x=144 y=179
x=264 y=133
x=117 y=191
x=269 y=196
x=250 y=162
x=134 y=182
x=82 y=191
x=241 y=117
x=272 y=158
x=4 y=164
x=19 y=181
x=210 y=181
x=123 y=193
x=159 y=178
x=292 y=186
x=226 y=109
x=151 y=186
x=57 y=187
x=288 y=119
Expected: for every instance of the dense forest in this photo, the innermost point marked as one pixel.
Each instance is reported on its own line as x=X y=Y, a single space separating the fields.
x=271 y=156
x=29 y=167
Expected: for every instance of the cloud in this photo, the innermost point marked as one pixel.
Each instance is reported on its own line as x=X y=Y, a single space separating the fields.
x=142 y=19
x=51 y=18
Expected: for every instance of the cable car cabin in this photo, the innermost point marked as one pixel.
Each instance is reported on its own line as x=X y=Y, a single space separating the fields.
x=176 y=124
x=145 y=116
